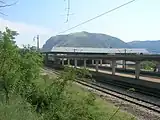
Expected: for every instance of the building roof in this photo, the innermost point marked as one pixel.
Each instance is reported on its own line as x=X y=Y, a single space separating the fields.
x=98 y=50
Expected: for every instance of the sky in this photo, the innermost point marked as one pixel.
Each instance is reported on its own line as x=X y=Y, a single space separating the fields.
x=139 y=20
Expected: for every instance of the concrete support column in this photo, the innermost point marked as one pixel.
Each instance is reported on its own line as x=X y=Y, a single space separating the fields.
x=113 y=67
x=75 y=63
x=124 y=64
x=100 y=62
x=92 y=62
x=62 y=61
x=97 y=65
x=46 y=59
x=137 y=69
x=85 y=63
x=158 y=67
x=110 y=63
x=68 y=61
x=106 y=62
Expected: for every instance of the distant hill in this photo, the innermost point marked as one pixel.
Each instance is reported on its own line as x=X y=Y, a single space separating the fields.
x=84 y=39
x=96 y=40
x=151 y=46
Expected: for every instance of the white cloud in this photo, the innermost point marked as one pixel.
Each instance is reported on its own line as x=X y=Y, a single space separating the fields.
x=24 y=28
x=26 y=31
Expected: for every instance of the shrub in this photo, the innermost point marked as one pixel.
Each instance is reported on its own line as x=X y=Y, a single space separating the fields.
x=148 y=65
x=9 y=65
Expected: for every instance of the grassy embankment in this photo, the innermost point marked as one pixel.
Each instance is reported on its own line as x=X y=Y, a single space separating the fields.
x=76 y=104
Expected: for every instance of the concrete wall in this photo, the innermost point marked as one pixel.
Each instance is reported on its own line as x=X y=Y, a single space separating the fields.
x=106 y=77
x=130 y=71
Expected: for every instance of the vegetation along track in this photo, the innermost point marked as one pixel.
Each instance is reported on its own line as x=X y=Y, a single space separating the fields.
x=125 y=97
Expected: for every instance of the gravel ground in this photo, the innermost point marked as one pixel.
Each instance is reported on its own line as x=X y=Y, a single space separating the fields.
x=139 y=112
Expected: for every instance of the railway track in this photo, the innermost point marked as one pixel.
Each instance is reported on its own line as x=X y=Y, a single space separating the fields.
x=131 y=99
x=139 y=89
x=115 y=93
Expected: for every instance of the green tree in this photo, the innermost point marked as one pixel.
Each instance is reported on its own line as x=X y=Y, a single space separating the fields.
x=30 y=66
x=148 y=65
x=9 y=65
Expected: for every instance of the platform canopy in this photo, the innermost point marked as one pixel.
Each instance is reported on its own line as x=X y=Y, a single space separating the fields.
x=98 y=50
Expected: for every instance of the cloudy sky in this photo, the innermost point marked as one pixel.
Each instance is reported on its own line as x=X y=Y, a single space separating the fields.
x=137 y=21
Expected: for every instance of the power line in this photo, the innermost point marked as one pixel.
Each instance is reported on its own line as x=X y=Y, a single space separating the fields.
x=98 y=16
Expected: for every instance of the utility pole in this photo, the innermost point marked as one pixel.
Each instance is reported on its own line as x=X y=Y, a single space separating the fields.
x=37 y=41
x=125 y=60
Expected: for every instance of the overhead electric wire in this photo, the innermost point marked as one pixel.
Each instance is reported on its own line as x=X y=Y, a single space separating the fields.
x=98 y=16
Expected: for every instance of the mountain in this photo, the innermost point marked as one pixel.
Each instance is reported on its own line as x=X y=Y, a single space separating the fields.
x=151 y=46
x=84 y=39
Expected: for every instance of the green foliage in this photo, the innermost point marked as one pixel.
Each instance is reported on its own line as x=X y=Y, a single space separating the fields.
x=83 y=73
x=30 y=95
x=74 y=104
x=131 y=90
x=148 y=65
x=79 y=73
x=17 y=109
x=9 y=65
